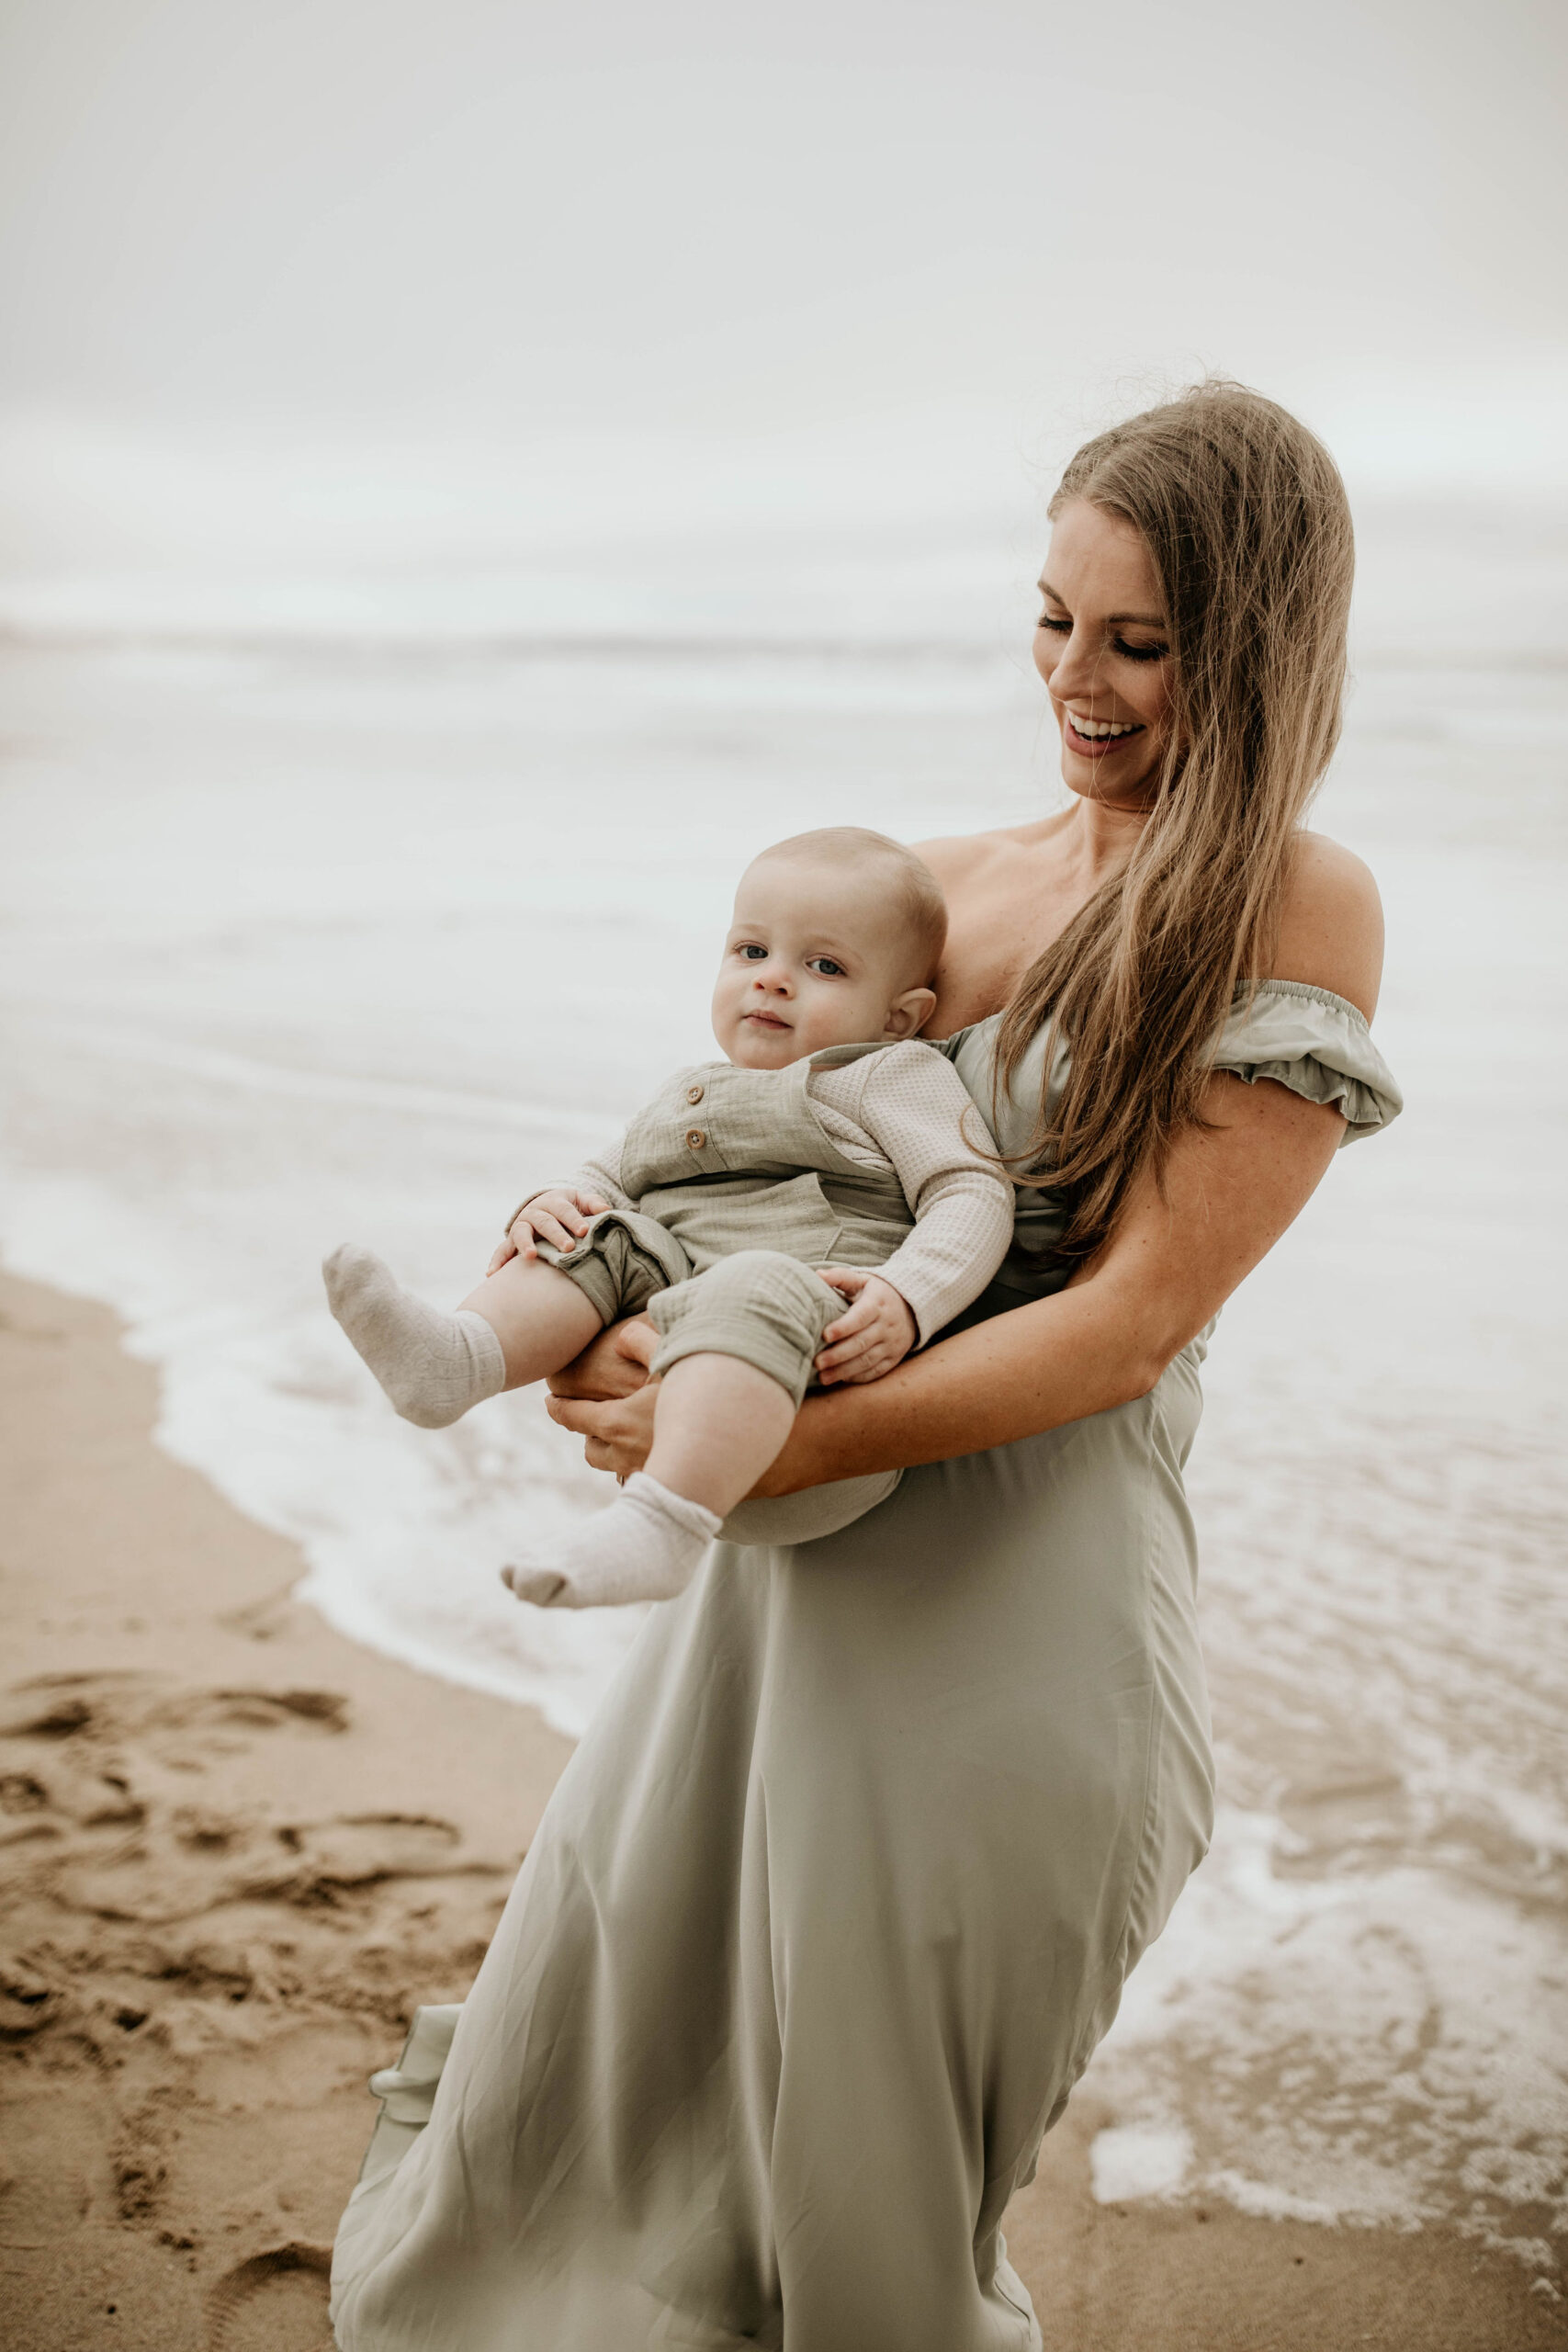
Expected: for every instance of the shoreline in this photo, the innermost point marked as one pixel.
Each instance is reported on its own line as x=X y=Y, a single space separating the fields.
x=237 y=1848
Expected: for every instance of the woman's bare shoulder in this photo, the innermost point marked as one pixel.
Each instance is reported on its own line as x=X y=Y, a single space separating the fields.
x=1331 y=934
x=957 y=858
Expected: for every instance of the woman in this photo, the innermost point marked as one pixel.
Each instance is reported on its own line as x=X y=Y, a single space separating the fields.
x=841 y=1890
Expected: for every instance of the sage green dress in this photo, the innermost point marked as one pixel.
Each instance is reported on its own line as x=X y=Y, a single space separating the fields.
x=835 y=1898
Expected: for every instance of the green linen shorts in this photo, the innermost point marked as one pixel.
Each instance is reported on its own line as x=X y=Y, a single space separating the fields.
x=762 y=1306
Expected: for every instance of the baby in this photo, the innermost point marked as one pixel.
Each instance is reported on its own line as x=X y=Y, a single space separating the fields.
x=741 y=1208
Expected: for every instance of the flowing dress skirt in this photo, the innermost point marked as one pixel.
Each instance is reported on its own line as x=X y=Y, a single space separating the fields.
x=822 y=1924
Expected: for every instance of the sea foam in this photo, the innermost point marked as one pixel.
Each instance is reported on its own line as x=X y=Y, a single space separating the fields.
x=302 y=941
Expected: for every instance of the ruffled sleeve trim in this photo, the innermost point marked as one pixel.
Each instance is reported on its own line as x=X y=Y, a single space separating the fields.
x=1317 y=1044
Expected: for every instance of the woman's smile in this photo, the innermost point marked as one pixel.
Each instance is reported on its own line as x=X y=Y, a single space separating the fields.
x=817 y=1795
x=1102 y=647
x=1095 y=739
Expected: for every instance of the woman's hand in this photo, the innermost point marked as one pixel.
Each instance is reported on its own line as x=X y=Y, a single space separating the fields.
x=612 y=1366
x=1231 y=1188
x=877 y=1332
x=558 y=1216
x=607 y=1397
x=617 y=1436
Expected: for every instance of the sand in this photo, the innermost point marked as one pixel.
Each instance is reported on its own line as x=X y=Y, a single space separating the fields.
x=236 y=1850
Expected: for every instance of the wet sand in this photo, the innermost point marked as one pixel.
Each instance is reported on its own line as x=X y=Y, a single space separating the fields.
x=236 y=1850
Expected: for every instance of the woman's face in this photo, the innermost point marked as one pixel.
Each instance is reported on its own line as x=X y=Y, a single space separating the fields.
x=1102 y=647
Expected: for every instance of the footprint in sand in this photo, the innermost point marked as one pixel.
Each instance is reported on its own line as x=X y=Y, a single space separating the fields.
x=86 y=1788
x=190 y=1729
x=189 y=1863
x=50 y=1708
x=274 y=2302
x=361 y=1849
x=55 y=1706
x=83 y=1711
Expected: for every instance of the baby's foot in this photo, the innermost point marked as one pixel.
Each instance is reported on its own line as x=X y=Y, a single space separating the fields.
x=646 y=1546
x=432 y=1366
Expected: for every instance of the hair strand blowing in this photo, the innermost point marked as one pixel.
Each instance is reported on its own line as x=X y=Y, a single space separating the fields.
x=1246 y=519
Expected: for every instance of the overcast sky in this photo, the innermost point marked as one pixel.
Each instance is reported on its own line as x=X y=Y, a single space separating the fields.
x=938 y=229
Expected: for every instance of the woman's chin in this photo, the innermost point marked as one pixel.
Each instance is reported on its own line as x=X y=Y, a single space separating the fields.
x=1097 y=780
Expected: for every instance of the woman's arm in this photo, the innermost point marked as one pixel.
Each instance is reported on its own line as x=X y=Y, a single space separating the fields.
x=1230 y=1191
x=1105 y=1339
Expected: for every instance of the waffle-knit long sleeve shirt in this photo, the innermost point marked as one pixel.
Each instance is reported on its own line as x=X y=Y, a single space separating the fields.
x=904 y=1109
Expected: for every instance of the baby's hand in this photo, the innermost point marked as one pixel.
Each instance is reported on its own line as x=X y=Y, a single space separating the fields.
x=559 y=1217
x=877 y=1332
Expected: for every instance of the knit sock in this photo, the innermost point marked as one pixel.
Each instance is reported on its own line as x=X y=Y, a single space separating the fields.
x=646 y=1546
x=432 y=1366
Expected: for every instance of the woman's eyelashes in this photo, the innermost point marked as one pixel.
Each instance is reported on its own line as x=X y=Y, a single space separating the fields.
x=1118 y=644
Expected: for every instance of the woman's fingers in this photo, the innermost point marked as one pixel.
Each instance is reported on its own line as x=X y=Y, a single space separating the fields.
x=618 y=1433
x=579 y=1414
x=613 y=1364
x=635 y=1339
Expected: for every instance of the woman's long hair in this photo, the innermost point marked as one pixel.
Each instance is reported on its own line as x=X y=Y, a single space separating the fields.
x=1246 y=519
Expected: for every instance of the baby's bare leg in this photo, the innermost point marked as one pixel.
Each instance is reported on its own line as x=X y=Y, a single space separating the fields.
x=540 y=1316
x=522 y=1323
x=717 y=1425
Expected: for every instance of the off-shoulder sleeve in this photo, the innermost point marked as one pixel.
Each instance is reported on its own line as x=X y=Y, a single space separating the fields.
x=1318 y=1045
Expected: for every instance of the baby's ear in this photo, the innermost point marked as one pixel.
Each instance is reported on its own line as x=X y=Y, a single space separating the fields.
x=907 y=1014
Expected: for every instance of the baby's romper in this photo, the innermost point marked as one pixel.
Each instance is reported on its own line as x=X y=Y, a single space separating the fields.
x=728 y=1198
x=840 y=1889
x=733 y=1190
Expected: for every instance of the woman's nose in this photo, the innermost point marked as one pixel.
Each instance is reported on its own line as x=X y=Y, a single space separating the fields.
x=1073 y=671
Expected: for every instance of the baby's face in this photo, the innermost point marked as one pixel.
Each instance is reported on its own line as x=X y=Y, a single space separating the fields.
x=812 y=960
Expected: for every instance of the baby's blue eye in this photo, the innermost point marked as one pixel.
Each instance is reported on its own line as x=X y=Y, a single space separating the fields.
x=752 y=953
x=827 y=964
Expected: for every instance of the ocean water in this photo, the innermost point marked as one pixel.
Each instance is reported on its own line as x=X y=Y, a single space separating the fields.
x=316 y=926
